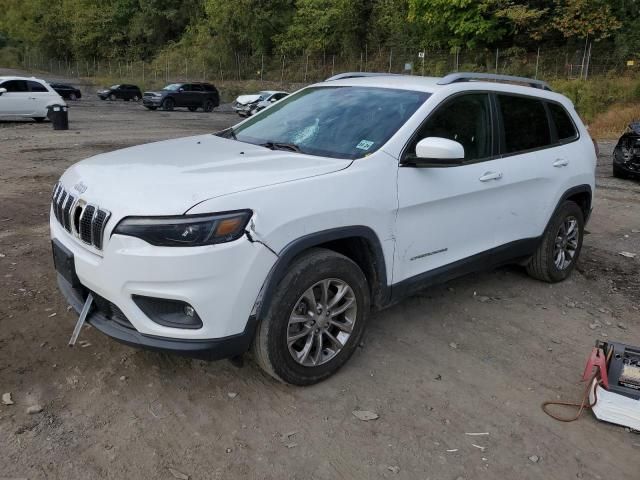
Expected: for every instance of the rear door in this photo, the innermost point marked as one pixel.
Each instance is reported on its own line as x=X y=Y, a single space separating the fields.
x=15 y=101
x=529 y=166
x=196 y=95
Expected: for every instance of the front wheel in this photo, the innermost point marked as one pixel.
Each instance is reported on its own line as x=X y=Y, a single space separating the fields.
x=557 y=255
x=168 y=104
x=315 y=320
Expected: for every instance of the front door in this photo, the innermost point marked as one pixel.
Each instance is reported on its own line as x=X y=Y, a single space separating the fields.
x=449 y=214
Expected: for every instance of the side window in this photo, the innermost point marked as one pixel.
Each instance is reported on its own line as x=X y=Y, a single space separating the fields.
x=465 y=119
x=278 y=96
x=209 y=88
x=564 y=125
x=36 y=86
x=15 y=86
x=196 y=87
x=525 y=123
x=187 y=87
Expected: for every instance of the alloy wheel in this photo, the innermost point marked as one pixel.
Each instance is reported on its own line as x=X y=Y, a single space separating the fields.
x=566 y=244
x=321 y=322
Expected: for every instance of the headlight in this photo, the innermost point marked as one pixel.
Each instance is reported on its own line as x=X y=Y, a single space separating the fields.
x=186 y=230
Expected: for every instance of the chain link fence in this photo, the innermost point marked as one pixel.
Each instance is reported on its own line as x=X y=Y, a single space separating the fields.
x=302 y=69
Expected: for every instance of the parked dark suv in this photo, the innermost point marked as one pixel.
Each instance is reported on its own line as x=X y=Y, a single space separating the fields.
x=190 y=95
x=124 y=91
x=67 y=91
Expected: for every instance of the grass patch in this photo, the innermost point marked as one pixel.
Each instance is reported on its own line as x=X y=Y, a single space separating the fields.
x=610 y=124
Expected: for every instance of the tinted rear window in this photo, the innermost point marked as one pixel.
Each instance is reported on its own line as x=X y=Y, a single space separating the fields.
x=525 y=123
x=36 y=86
x=564 y=125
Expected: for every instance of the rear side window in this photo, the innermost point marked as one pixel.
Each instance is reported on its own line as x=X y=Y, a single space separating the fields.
x=209 y=88
x=36 y=86
x=525 y=123
x=564 y=125
x=15 y=86
x=196 y=88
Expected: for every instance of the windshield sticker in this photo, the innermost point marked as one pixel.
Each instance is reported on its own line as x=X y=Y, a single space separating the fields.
x=364 y=145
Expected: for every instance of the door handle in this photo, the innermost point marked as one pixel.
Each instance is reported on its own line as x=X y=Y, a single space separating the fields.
x=490 y=176
x=561 y=162
x=32 y=98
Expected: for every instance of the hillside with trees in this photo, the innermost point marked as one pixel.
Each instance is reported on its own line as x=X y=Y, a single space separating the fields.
x=145 y=29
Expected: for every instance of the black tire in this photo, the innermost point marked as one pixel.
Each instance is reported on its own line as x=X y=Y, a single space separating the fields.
x=168 y=104
x=152 y=108
x=39 y=119
x=619 y=172
x=192 y=109
x=542 y=264
x=72 y=96
x=136 y=98
x=208 y=106
x=270 y=348
x=112 y=97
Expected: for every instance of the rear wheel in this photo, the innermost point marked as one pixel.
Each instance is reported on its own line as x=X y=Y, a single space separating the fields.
x=136 y=98
x=557 y=255
x=208 y=106
x=316 y=319
x=39 y=119
x=192 y=109
x=168 y=104
x=72 y=96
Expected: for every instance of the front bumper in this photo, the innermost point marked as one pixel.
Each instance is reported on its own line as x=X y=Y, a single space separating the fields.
x=221 y=282
x=209 y=349
x=151 y=101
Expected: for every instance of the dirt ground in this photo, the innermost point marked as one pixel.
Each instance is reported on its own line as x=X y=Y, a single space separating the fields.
x=477 y=355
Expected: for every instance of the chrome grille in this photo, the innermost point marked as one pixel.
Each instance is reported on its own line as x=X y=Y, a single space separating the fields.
x=82 y=220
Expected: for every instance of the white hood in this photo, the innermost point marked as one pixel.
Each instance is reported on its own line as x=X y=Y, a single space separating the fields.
x=245 y=99
x=169 y=177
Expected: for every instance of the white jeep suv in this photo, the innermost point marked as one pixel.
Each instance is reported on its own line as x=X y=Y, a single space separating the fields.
x=27 y=97
x=281 y=234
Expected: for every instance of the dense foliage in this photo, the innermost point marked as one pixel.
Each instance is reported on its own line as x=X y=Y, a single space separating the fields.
x=141 y=29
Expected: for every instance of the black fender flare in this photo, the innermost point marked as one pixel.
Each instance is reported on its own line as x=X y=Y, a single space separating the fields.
x=585 y=188
x=380 y=292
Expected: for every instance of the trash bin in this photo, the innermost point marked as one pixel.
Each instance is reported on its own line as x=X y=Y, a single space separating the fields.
x=59 y=116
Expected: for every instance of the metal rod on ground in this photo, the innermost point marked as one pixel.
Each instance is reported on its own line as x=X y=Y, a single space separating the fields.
x=261 y=66
x=537 y=62
x=497 y=59
x=282 y=73
x=221 y=73
x=333 y=64
x=390 y=54
x=142 y=72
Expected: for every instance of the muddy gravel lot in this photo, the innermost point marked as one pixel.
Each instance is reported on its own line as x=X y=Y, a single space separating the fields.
x=477 y=355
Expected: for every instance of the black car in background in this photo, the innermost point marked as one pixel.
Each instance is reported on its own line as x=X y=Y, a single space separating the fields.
x=191 y=95
x=67 y=91
x=626 y=154
x=125 y=92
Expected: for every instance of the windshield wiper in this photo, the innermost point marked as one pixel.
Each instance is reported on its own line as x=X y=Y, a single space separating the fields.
x=290 y=147
x=227 y=133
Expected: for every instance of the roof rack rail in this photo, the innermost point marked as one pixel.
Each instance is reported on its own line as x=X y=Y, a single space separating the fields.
x=491 y=77
x=342 y=76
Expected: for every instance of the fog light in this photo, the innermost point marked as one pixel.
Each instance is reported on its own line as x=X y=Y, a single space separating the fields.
x=169 y=313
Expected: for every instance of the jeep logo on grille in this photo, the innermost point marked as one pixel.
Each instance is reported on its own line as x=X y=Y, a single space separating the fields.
x=80 y=187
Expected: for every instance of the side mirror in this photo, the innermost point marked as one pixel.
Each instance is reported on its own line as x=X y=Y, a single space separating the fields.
x=3 y=90
x=273 y=100
x=436 y=152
